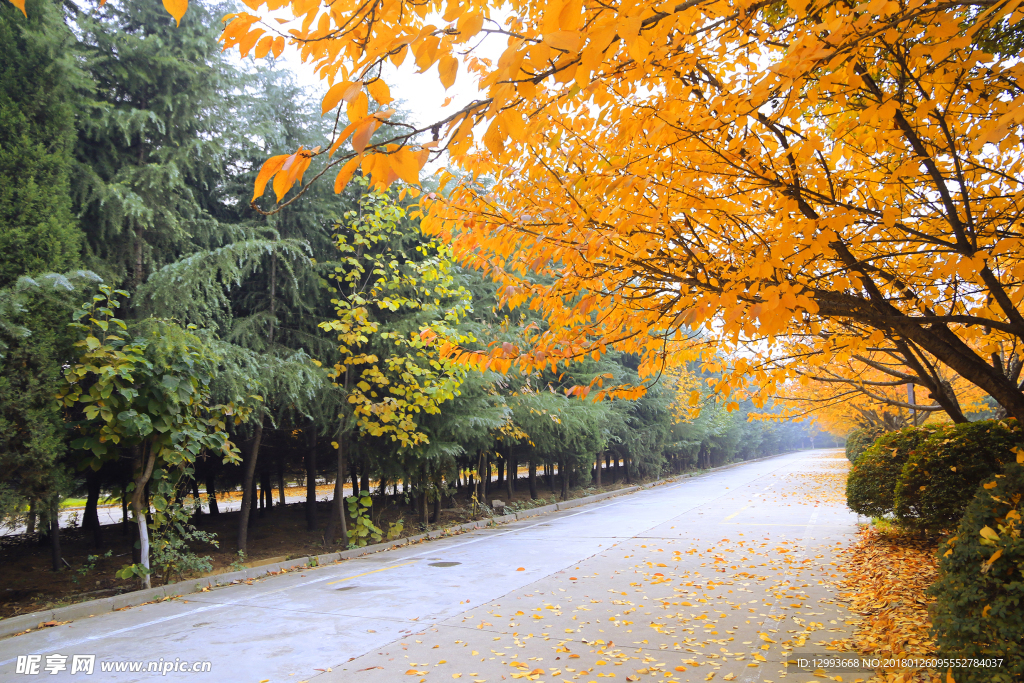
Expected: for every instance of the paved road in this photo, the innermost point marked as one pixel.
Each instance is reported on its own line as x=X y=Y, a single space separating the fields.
x=712 y=574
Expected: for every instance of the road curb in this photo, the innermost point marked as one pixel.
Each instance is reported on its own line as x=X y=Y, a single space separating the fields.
x=27 y=622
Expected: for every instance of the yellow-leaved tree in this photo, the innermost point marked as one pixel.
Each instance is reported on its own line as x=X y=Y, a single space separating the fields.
x=396 y=299
x=766 y=171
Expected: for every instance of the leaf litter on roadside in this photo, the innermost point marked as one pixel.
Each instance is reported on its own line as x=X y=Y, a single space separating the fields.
x=885 y=576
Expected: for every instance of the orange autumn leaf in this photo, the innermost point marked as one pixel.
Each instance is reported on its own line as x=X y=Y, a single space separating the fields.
x=176 y=8
x=270 y=167
x=447 y=69
x=345 y=174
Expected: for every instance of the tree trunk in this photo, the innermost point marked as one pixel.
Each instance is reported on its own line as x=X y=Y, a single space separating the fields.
x=311 y=438
x=436 y=515
x=195 y=495
x=508 y=472
x=355 y=479
x=364 y=481
x=259 y=492
x=280 y=482
x=267 y=484
x=564 y=471
x=533 y=479
x=141 y=482
x=422 y=504
x=247 y=490
x=211 y=493
x=55 y=555
x=91 y=520
x=487 y=481
x=597 y=466
x=338 y=504
x=31 y=525
x=480 y=490
x=125 y=524
x=500 y=464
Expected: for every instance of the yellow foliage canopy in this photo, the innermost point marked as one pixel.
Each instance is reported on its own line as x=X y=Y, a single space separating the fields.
x=773 y=175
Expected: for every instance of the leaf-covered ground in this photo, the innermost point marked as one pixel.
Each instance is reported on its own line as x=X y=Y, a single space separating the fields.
x=885 y=576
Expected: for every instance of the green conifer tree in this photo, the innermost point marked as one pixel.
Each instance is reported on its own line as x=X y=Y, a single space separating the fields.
x=39 y=82
x=150 y=137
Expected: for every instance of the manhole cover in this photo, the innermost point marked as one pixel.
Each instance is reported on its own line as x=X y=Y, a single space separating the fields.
x=444 y=564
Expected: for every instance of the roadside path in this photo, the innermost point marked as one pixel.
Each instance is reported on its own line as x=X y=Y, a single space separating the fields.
x=711 y=574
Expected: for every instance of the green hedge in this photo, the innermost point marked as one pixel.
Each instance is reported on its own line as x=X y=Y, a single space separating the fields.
x=979 y=607
x=872 y=479
x=860 y=440
x=942 y=475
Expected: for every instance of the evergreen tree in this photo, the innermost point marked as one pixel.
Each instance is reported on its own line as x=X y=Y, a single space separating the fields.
x=39 y=86
x=39 y=82
x=149 y=140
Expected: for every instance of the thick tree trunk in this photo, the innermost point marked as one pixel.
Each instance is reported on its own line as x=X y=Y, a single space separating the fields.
x=311 y=439
x=500 y=464
x=533 y=479
x=248 y=483
x=267 y=484
x=355 y=479
x=364 y=480
x=211 y=493
x=563 y=470
x=91 y=519
x=597 y=467
x=338 y=504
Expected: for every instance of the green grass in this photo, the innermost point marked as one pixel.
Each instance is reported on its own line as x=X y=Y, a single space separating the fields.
x=80 y=502
x=883 y=524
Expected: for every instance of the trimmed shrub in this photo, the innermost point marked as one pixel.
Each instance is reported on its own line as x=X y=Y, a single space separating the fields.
x=860 y=440
x=872 y=479
x=979 y=606
x=941 y=477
